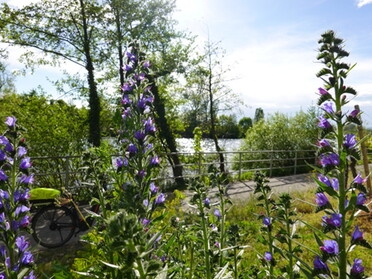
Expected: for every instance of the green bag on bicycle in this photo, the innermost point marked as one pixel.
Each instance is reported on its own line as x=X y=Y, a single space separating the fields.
x=44 y=194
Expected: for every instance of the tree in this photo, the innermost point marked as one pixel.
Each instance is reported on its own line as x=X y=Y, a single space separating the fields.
x=207 y=79
x=67 y=30
x=244 y=124
x=258 y=115
x=227 y=127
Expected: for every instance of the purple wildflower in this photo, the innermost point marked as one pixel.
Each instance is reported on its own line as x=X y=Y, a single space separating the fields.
x=357 y=234
x=323 y=143
x=27 y=179
x=328 y=107
x=142 y=103
x=145 y=203
x=119 y=162
x=217 y=244
x=150 y=126
x=323 y=123
x=19 y=196
x=21 y=209
x=350 y=141
x=3 y=140
x=126 y=87
x=153 y=188
x=330 y=247
x=354 y=113
x=4 y=194
x=359 y=180
x=30 y=275
x=127 y=68
x=25 y=163
x=361 y=199
x=9 y=147
x=319 y=264
x=217 y=213
x=146 y=64
x=25 y=221
x=21 y=243
x=331 y=159
x=145 y=221
x=323 y=91
x=160 y=199
x=334 y=220
x=126 y=100
x=3 y=176
x=335 y=183
x=268 y=257
x=155 y=161
x=131 y=56
x=139 y=77
x=27 y=258
x=321 y=199
x=139 y=135
x=324 y=179
x=21 y=151
x=207 y=201
x=266 y=221
x=126 y=113
x=132 y=148
x=10 y=121
x=357 y=267
x=2 y=155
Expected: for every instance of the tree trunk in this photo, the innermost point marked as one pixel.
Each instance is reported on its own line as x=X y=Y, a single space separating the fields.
x=94 y=102
x=166 y=133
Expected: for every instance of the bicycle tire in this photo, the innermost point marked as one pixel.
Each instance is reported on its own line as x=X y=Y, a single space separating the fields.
x=53 y=226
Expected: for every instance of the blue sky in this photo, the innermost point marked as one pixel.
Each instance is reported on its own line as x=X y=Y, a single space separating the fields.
x=270 y=48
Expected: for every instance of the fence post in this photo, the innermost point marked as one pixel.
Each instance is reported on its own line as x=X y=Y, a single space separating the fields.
x=240 y=166
x=295 y=163
x=67 y=172
x=271 y=163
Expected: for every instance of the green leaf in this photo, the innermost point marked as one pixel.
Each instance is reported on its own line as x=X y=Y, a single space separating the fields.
x=111 y=265
x=324 y=71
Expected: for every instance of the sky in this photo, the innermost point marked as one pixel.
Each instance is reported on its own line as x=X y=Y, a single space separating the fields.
x=271 y=48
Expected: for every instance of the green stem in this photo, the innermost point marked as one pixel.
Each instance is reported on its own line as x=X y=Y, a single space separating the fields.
x=205 y=239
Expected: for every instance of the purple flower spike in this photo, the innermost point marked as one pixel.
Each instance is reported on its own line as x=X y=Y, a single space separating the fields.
x=3 y=176
x=145 y=203
x=9 y=147
x=328 y=107
x=3 y=140
x=359 y=180
x=319 y=264
x=21 y=209
x=160 y=199
x=321 y=199
x=30 y=275
x=145 y=221
x=357 y=234
x=330 y=247
x=323 y=123
x=126 y=113
x=146 y=64
x=10 y=121
x=361 y=199
x=350 y=141
x=354 y=113
x=141 y=103
x=21 y=243
x=335 y=184
x=357 y=267
x=268 y=256
x=324 y=179
x=331 y=159
x=131 y=56
x=25 y=163
x=266 y=221
x=150 y=126
x=217 y=213
x=323 y=91
x=139 y=135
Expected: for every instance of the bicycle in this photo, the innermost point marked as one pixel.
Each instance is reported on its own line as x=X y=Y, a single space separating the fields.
x=57 y=219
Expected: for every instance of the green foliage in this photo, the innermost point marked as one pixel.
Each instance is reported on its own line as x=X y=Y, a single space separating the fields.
x=258 y=115
x=227 y=127
x=244 y=124
x=280 y=132
x=54 y=128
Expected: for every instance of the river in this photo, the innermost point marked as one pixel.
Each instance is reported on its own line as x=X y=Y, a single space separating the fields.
x=186 y=145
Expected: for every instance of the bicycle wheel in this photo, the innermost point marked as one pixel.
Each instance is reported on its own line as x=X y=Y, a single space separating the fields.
x=53 y=226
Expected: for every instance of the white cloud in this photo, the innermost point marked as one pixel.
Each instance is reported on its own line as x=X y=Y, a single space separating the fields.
x=20 y=3
x=361 y=3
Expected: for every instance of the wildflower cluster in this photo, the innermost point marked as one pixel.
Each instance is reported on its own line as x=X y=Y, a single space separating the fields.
x=336 y=151
x=15 y=179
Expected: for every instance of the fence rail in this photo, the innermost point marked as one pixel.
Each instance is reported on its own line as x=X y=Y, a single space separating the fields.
x=67 y=169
